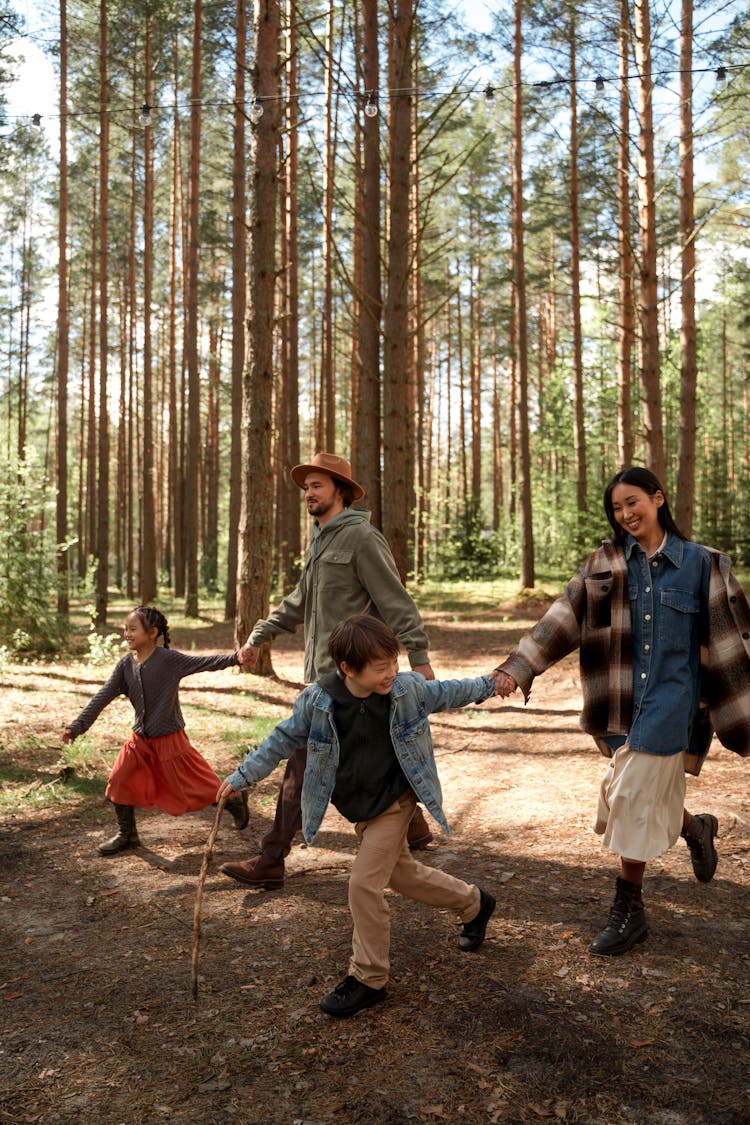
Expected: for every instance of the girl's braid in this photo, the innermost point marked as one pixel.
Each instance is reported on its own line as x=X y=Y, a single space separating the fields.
x=152 y=618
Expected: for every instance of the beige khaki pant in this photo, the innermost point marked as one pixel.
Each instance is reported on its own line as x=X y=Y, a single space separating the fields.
x=384 y=860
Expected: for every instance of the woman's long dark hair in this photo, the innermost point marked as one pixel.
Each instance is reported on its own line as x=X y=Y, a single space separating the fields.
x=645 y=479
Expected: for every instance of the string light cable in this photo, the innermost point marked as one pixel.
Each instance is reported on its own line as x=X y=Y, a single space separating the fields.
x=371 y=100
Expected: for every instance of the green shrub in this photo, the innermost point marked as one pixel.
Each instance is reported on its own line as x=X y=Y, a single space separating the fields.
x=28 y=578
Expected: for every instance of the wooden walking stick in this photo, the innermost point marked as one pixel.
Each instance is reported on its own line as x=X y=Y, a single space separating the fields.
x=199 y=893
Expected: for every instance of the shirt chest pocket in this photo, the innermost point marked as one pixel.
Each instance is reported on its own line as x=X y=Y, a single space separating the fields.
x=678 y=618
x=335 y=569
x=413 y=725
x=599 y=601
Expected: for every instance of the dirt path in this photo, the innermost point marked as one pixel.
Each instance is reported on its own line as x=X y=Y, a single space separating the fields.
x=98 y=1024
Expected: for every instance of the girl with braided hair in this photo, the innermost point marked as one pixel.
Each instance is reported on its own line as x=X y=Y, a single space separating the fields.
x=157 y=767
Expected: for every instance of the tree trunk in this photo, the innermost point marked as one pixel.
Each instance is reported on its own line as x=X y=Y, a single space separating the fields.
x=519 y=286
x=648 y=297
x=396 y=359
x=192 y=449
x=147 y=591
x=327 y=415
x=685 y=495
x=175 y=557
x=579 y=429
x=256 y=513
x=366 y=421
x=102 y=506
x=63 y=334
x=239 y=297
x=626 y=324
x=291 y=543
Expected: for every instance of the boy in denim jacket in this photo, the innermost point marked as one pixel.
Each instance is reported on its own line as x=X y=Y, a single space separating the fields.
x=369 y=751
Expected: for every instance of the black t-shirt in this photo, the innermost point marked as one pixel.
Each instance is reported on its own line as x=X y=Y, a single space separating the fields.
x=369 y=777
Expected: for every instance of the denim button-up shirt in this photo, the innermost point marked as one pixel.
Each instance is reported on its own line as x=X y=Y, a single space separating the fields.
x=668 y=603
x=412 y=699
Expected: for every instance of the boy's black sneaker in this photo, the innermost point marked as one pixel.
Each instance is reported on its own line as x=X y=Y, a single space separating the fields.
x=350 y=997
x=472 y=933
x=699 y=837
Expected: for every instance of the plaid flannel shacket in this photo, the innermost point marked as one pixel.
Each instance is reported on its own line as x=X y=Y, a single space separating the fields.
x=593 y=614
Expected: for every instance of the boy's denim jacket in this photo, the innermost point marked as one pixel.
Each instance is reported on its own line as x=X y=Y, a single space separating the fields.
x=412 y=699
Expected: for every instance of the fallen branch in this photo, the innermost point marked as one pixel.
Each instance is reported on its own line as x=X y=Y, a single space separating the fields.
x=199 y=892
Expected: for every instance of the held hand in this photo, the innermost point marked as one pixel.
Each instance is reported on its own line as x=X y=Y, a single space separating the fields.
x=67 y=735
x=505 y=685
x=424 y=670
x=248 y=654
x=224 y=790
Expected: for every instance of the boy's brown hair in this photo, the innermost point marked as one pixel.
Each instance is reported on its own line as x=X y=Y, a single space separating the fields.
x=360 y=639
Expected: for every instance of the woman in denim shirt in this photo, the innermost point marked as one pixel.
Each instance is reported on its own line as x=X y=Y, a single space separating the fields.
x=638 y=608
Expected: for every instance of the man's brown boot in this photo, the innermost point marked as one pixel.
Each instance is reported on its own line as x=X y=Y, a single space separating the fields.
x=418 y=835
x=262 y=871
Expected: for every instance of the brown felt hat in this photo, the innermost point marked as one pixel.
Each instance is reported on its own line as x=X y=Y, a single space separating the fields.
x=335 y=466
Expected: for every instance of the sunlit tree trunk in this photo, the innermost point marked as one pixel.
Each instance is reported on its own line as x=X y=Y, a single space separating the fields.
x=626 y=314
x=147 y=569
x=498 y=483
x=175 y=490
x=327 y=415
x=579 y=431
x=91 y=450
x=366 y=421
x=102 y=506
x=418 y=445
x=519 y=286
x=192 y=449
x=685 y=495
x=210 y=491
x=396 y=359
x=239 y=297
x=288 y=492
x=648 y=296
x=63 y=333
x=256 y=512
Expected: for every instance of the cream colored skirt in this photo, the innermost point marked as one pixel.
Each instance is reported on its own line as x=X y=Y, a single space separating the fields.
x=641 y=803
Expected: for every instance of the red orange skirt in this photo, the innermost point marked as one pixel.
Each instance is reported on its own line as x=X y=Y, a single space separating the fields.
x=165 y=773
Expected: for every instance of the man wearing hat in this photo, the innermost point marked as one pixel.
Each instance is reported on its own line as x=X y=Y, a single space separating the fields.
x=348 y=568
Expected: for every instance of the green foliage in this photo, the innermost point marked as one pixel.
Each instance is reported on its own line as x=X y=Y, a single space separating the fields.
x=102 y=648
x=469 y=550
x=28 y=617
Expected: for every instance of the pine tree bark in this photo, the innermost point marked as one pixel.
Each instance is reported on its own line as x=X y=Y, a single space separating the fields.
x=626 y=320
x=648 y=294
x=256 y=512
x=685 y=494
x=396 y=358
x=239 y=298
x=192 y=449
x=291 y=540
x=579 y=429
x=326 y=438
x=147 y=569
x=63 y=334
x=367 y=418
x=102 y=505
x=519 y=287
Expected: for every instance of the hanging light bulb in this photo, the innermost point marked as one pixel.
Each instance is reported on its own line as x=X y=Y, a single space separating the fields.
x=721 y=75
x=371 y=105
x=144 y=117
x=256 y=110
x=599 y=83
x=37 y=120
x=489 y=92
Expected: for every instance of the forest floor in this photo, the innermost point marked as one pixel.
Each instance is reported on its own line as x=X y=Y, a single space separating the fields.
x=98 y=1023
